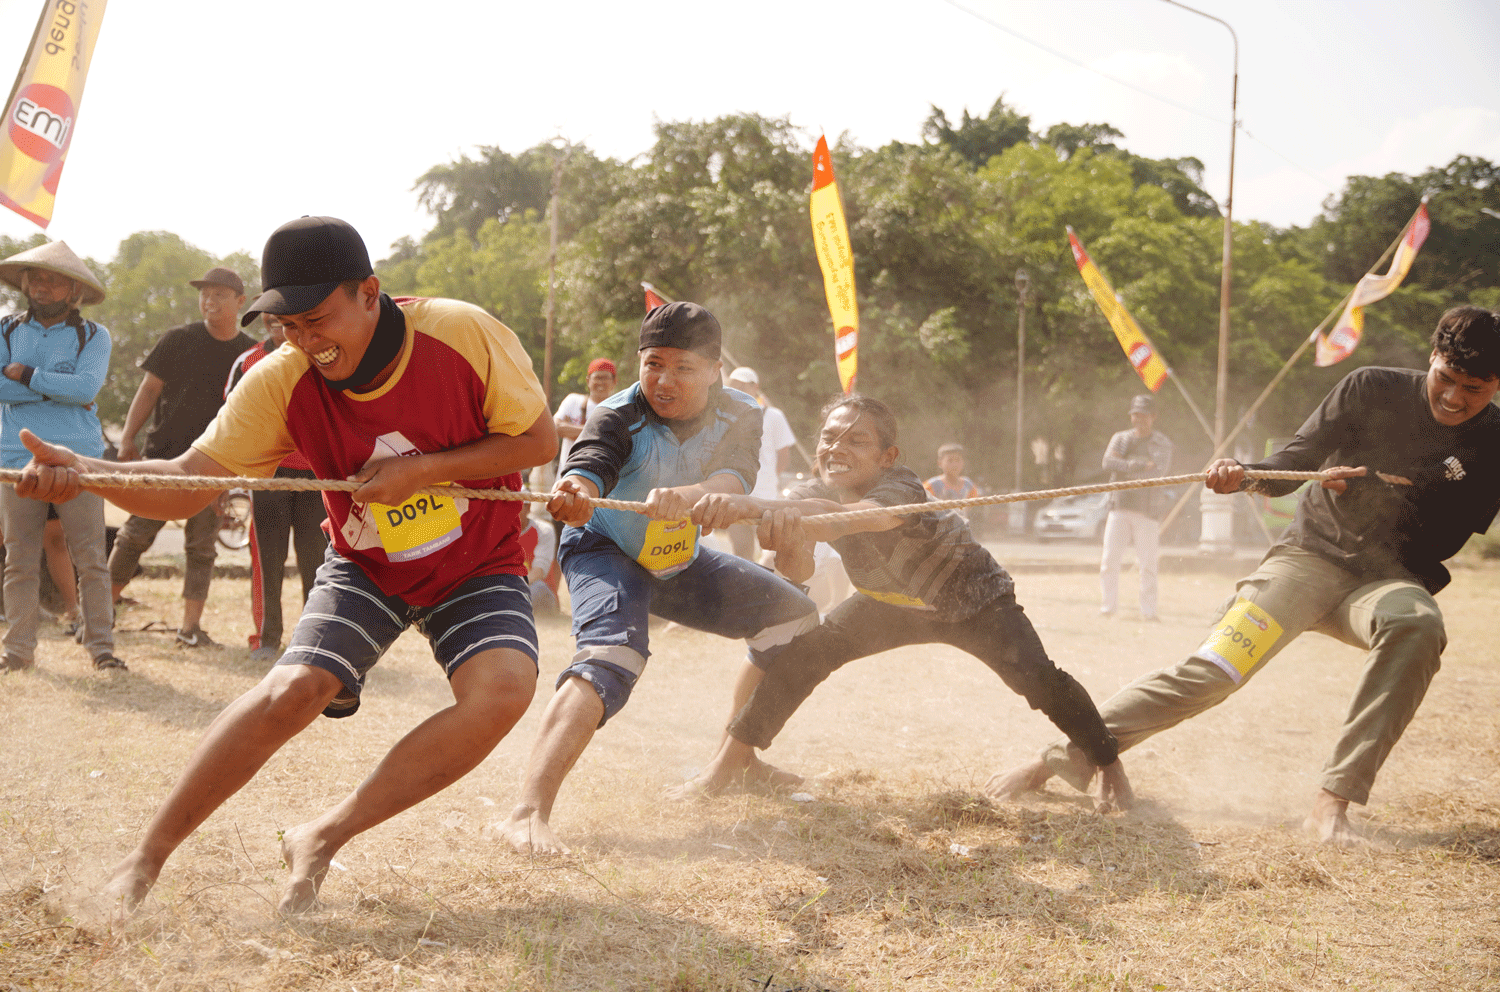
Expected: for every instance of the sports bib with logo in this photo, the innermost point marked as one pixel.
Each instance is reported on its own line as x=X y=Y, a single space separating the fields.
x=668 y=547
x=897 y=599
x=418 y=527
x=1241 y=639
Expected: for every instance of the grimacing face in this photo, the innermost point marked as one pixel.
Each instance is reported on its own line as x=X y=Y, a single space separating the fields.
x=676 y=381
x=1454 y=397
x=849 y=454
x=336 y=332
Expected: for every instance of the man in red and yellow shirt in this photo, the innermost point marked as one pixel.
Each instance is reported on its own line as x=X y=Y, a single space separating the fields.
x=397 y=395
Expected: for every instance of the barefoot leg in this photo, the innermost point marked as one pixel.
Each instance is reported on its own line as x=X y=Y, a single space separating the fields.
x=241 y=739
x=491 y=692
x=735 y=762
x=567 y=727
x=745 y=682
x=1329 y=821
x=1016 y=782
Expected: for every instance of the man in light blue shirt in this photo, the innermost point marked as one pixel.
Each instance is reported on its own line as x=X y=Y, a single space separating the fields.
x=53 y=363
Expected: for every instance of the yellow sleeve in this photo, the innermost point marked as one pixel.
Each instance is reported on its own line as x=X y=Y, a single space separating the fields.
x=249 y=435
x=513 y=398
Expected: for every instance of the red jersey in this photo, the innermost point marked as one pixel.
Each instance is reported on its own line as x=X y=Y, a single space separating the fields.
x=461 y=375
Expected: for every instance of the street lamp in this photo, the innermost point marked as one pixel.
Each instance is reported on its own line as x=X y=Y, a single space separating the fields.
x=1218 y=513
x=1023 y=281
x=1221 y=399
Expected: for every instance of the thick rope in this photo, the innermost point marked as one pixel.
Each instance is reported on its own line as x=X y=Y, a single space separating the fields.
x=121 y=480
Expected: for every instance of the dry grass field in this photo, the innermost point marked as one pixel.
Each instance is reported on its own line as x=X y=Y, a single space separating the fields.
x=897 y=875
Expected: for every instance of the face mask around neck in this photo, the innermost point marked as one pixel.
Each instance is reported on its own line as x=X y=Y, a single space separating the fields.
x=50 y=311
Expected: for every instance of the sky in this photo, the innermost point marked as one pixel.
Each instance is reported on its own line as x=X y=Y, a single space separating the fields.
x=220 y=121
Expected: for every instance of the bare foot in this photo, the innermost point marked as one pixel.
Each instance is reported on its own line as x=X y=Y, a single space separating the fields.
x=307 y=858
x=732 y=767
x=528 y=831
x=128 y=884
x=1329 y=821
x=1115 y=793
x=1015 y=783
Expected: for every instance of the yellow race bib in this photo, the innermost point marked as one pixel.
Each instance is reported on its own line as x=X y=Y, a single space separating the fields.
x=418 y=527
x=668 y=547
x=897 y=599
x=1241 y=640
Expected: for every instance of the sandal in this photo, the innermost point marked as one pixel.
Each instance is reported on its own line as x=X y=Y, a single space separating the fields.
x=109 y=662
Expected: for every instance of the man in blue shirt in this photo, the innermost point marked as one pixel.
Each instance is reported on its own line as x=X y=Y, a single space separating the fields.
x=667 y=441
x=54 y=363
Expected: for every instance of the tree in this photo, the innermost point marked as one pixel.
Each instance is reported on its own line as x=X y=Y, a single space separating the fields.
x=979 y=139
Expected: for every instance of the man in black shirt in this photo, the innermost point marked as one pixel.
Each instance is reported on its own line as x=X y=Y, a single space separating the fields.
x=1414 y=460
x=184 y=385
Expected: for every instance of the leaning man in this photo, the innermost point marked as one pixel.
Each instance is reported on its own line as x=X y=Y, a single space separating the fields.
x=397 y=396
x=1411 y=475
x=54 y=364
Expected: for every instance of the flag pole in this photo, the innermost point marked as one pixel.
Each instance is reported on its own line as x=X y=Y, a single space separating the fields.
x=1209 y=431
x=1265 y=394
x=1202 y=420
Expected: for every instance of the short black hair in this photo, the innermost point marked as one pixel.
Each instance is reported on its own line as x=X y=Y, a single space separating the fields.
x=1468 y=339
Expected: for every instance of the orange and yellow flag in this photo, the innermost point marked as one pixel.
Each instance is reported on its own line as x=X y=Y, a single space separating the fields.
x=831 y=241
x=42 y=112
x=1344 y=338
x=1137 y=347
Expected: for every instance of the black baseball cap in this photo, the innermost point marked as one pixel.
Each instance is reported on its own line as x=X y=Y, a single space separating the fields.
x=682 y=325
x=304 y=260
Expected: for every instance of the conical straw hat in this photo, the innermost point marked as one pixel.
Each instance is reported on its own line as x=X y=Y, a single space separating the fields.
x=54 y=256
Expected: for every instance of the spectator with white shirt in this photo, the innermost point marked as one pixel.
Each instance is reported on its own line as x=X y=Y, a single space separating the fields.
x=573 y=412
x=776 y=443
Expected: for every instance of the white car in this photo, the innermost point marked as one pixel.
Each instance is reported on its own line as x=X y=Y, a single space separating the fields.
x=1079 y=517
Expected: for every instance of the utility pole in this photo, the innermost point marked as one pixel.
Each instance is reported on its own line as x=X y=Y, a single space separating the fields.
x=557 y=170
x=1017 y=519
x=1218 y=512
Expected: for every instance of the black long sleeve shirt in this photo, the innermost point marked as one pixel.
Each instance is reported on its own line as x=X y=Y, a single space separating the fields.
x=1380 y=418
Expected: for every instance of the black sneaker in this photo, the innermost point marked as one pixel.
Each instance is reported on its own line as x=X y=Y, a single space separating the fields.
x=196 y=639
x=108 y=662
x=10 y=663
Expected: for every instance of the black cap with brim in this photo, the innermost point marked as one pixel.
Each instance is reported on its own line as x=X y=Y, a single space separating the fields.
x=289 y=299
x=305 y=260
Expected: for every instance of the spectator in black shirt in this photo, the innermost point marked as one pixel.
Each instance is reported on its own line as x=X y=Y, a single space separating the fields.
x=184 y=385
